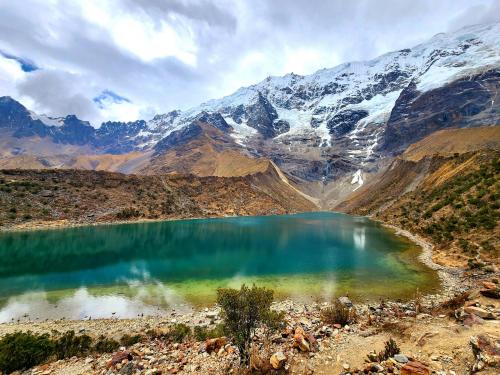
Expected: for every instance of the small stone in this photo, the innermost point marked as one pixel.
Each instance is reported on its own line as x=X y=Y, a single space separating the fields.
x=278 y=360
x=401 y=358
x=346 y=366
x=301 y=343
x=434 y=357
x=345 y=301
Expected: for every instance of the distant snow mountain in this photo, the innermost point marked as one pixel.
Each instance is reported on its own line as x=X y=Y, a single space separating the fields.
x=347 y=110
x=336 y=122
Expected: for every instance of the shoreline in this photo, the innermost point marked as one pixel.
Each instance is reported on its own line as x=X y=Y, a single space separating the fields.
x=66 y=224
x=450 y=277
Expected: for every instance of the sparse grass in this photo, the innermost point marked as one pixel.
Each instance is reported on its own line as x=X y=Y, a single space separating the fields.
x=179 y=332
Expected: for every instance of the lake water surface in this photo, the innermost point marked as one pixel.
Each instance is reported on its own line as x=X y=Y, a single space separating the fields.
x=147 y=268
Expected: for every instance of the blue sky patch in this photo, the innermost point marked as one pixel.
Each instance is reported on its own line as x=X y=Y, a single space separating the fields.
x=109 y=96
x=26 y=65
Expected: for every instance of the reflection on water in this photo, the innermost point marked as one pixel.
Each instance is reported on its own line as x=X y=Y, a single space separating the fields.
x=35 y=306
x=359 y=238
x=148 y=267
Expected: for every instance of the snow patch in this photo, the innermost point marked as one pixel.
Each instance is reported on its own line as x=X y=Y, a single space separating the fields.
x=47 y=120
x=357 y=178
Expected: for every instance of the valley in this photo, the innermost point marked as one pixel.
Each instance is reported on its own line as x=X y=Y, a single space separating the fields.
x=365 y=197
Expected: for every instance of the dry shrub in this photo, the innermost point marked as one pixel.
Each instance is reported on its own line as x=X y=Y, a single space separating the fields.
x=338 y=313
x=453 y=303
x=390 y=350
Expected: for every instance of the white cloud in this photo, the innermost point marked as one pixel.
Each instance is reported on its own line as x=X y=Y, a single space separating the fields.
x=164 y=55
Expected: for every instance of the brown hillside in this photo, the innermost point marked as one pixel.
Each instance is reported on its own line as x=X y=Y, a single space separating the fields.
x=450 y=141
x=210 y=153
x=43 y=197
x=453 y=201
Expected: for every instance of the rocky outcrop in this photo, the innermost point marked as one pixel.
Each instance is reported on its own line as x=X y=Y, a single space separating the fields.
x=470 y=101
x=261 y=116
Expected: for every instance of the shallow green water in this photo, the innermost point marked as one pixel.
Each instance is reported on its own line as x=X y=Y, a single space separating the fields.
x=147 y=267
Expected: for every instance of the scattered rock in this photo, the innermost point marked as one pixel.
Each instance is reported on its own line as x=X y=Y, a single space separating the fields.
x=345 y=301
x=278 y=360
x=482 y=313
x=119 y=357
x=214 y=345
x=415 y=368
x=401 y=358
x=486 y=350
x=128 y=369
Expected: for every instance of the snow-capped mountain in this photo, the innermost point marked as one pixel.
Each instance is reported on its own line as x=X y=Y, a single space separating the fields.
x=333 y=123
x=346 y=110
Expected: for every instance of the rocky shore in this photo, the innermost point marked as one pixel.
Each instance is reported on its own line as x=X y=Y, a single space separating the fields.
x=432 y=338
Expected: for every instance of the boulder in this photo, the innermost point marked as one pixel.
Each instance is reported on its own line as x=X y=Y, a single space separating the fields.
x=472 y=320
x=491 y=293
x=482 y=313
x=489 y=285
x=119 y=357
x=301 y=343
x=313 y=343
x=415 y=368
x=214 y=345
x=278 y=360
x=486 y=350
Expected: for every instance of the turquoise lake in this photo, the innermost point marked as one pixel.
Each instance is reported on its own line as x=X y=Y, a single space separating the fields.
x=147 y=268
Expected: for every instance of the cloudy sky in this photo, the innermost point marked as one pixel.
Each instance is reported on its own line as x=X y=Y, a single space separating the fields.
x=128 y=59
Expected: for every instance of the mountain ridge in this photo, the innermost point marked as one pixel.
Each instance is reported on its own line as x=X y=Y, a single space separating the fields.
x=336 y=125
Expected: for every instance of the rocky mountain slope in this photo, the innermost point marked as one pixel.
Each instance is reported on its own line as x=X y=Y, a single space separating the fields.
x=63 y=197
x=330 y=131
x=444 y=190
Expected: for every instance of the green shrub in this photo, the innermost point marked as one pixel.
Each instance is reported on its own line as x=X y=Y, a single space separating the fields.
x=129 y=340
x=105 y=345
x=203 y=333
x=128 y=213
x=69 y=345
x=179 y=332
x=22 y=350
x=243 y=311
